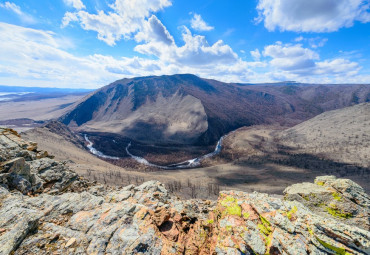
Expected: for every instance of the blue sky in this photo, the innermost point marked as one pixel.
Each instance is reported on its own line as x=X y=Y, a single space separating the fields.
x=80 y=43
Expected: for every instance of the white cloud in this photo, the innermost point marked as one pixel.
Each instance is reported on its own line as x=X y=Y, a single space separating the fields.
x=199 y=24
x=315 y=42
x=77 y=4
x=337 y=66
x=37 y=57
x=195 y=52
x=303 y=64
x=24 y=17
x=298 y=39
x=154 y=30
x=290 y=57
x=11 y=6
x=125 y=19
x=313 y=15
x=256 y=54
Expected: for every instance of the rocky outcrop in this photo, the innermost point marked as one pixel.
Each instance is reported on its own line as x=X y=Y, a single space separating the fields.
x=25 y=168
x=340 y=199
x=147 y=219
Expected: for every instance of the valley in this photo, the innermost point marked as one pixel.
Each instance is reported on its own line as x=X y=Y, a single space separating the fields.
x=276 y=134
x=257 y=158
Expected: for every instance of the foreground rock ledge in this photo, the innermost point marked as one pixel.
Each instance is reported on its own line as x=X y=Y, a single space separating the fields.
x=58 y=213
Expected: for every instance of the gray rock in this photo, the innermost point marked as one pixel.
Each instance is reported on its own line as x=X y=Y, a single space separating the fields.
x=16 y=166
x=341 y=199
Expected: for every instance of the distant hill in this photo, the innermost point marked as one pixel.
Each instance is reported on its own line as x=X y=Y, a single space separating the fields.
x=21 y=94
x=342 y=135
x=186 y=109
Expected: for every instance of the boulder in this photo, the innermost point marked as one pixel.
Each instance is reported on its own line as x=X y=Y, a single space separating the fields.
x=16 y=166
x=340 y=199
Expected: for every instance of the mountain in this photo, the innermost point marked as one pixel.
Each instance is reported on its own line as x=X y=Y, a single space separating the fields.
x=186 y=109
x=46 y=208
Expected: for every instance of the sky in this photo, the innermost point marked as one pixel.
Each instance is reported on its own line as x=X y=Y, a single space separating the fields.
x=89 y=44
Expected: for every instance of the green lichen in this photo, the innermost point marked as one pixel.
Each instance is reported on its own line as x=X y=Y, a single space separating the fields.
x=203 y=234
x=320 y=204
x=338 y=213
x=265 y=221
x=246 y=215
x=210 y=222
x=337 y=196
x=268 y=241
x=337 y=250
x=242 y=235
x=232 y=207
x=320 y=183
x=291 y=212
x=265 y=227
x=310 y=231
x=307 y=198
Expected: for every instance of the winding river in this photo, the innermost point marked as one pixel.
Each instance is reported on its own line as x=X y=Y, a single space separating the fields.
x=95 y=151
x=191 y=163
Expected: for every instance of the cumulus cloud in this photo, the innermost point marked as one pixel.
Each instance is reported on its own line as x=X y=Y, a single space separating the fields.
x=290 y=57
x=77 y=4
x=199 y=24
x=195 y=52
x=296 y=61
x=125 y=19
x=37 y=57
x=154 y=30
x=313 y=15
x=24 y=17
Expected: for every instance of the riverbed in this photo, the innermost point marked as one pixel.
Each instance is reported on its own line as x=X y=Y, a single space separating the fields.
x=191 y=163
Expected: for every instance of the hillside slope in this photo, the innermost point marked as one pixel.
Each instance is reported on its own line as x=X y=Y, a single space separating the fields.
x=186 y=109
x=342 y=135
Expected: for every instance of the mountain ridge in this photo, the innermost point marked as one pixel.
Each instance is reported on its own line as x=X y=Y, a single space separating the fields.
x=213 y=108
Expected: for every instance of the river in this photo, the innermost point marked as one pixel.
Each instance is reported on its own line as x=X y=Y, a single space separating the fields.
x=191 y=163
